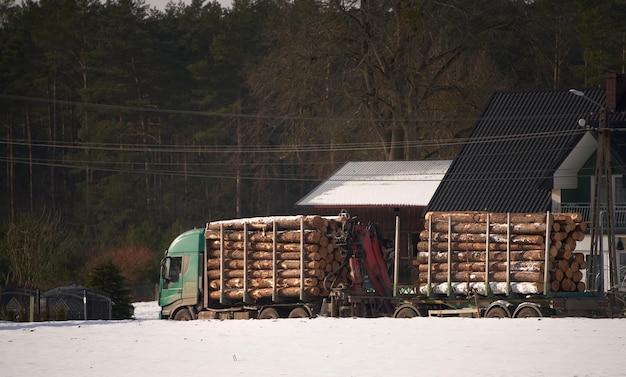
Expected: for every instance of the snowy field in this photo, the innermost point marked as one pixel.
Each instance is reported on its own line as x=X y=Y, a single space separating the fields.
x=322 y=347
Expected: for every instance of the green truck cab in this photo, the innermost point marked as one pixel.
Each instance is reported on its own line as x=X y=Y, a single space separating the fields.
x=179 y=283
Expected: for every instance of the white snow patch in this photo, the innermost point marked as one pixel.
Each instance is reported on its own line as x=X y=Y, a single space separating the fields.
x=317 y=347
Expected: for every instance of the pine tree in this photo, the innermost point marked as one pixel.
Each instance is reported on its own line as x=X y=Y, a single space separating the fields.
x=106 y=277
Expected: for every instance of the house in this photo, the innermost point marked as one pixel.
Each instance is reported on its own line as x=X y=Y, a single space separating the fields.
x=536 y=152
x=380 y=191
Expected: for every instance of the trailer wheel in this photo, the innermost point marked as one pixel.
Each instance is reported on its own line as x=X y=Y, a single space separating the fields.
x=527 y=312
x=497 y=312
x=406 y=313
x=299 y=312
x=183 y=315
x=269 y=313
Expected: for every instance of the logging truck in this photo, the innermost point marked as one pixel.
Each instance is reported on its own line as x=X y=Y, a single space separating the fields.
x=465 y=264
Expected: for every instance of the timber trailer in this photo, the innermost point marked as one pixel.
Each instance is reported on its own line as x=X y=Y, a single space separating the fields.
x=337 y=266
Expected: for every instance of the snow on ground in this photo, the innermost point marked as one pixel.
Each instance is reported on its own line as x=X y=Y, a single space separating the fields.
x=318 y=347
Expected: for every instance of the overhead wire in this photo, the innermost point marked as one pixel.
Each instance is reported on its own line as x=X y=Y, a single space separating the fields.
x=241 y=150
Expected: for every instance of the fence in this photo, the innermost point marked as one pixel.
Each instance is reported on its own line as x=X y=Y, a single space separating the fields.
x=62 y=303
x=73 y=302
x=587 y=213
x=19 y=304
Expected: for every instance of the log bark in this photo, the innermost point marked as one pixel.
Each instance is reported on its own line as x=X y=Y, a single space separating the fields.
x=478 y=256
x=267 y=255
x=580 y=258
x=556 y=275
x=567 y=284
x=481 y=217
x=261 y=264
x=289 y=236
x=494 y=228
x=578 y=235
x=283 y=273
x=555 y=286
x=479 y=287
x=259 y=293
x=480 y=266
x=568 y=217
x=475 y=246
x=563 y=254
x=462 y=276
x=214 y=245
x=523 y=239
x=577 y=276
x=265 y=223
x=265 y=283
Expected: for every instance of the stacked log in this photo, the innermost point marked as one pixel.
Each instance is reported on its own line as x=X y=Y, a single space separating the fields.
x=252 y=248
x=523 y=266
x=567 y=266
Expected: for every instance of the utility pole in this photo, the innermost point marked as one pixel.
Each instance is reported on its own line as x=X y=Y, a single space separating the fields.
x=603 y=209
x=603 y=213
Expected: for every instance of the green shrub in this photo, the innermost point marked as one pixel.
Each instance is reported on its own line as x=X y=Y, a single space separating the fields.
x=106 y=277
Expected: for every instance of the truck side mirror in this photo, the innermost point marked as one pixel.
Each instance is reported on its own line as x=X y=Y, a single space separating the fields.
x=165 y=268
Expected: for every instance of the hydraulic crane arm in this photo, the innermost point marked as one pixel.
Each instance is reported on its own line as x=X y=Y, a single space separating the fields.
x=367 y=254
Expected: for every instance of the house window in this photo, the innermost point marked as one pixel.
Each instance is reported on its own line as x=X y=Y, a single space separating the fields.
x=619 y=192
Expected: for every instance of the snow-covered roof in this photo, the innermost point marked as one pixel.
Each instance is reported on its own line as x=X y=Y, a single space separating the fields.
x=379 y=183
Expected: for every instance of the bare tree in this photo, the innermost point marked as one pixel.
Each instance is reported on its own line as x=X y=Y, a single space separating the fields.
x=382 y=70
x=36 y=247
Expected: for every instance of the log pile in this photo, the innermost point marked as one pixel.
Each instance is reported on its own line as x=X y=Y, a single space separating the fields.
x=517 y=252
x=265 y=255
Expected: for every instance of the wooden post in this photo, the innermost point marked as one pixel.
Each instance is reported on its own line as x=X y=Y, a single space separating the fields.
x=487 y=255
x=31 y=309
x=396 y=259
x=274 y=294
x=222 y=284
x=449 y=256
x=84 y=303
x=205 y=275
x=508 y=253
x=546 y=270
x=246 y=299
x=430 y=256
x=302 y=258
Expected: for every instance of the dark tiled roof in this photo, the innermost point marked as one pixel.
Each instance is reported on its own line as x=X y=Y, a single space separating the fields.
x=515 y=147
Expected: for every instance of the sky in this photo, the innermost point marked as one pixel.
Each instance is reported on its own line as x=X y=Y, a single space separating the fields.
x=160 y=4
x=375 y=347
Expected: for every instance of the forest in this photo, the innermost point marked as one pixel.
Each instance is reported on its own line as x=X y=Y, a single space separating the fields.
x=123 y=125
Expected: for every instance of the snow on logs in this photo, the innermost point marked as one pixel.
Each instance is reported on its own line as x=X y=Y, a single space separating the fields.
x=517 y=252
x=268 y=256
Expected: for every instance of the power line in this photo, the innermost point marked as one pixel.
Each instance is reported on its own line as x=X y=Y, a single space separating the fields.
x=285 y=117
x=305 y=147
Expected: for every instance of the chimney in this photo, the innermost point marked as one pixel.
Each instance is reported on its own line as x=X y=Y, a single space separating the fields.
x=615 y=88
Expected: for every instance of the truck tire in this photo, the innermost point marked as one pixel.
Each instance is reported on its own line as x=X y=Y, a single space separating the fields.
x=497 y=312
x=299 y=312
x=406 y=313
x=269 y=313
x=183 y=315
x=527 y=312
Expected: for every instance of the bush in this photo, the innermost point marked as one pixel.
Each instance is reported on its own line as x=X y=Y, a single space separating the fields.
x=106 y=277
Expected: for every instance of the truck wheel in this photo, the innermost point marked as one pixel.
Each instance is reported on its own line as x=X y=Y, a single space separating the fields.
x=406 y=313
x=183 y=315
x=527 y=312
x=268 y=313
x=299 y=312
x=497 y=312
